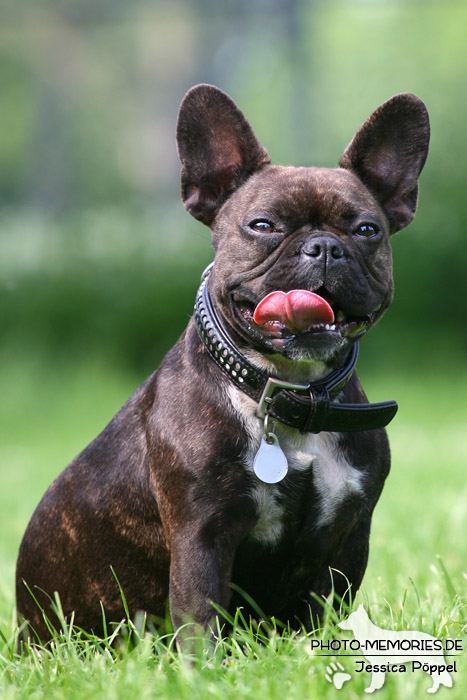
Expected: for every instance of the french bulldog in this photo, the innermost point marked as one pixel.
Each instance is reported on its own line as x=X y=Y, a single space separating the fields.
x=247 y=467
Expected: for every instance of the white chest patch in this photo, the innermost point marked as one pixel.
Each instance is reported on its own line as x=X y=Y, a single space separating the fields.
x=333 y=477
x=269 y=527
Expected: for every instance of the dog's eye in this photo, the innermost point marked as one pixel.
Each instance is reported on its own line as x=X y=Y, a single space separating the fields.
x=261 y=226
x=367 y=230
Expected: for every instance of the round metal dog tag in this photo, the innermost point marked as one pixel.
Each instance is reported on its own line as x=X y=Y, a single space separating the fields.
x=270 y=463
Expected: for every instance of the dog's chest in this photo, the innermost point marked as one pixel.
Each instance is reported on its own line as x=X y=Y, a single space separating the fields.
x=323 y=473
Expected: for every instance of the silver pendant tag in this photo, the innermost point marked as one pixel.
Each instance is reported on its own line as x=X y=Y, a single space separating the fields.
x=270 y=463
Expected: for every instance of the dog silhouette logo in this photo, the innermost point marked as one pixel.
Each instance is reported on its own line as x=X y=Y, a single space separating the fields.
x=395 y=651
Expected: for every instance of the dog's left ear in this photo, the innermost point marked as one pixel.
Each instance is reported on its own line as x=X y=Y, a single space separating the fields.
x=218 y=150
x=388 y=153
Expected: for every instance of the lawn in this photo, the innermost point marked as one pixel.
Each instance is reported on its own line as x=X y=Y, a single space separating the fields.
x=416 y=577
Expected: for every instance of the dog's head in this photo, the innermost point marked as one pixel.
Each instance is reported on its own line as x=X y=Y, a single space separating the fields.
x=321 y=233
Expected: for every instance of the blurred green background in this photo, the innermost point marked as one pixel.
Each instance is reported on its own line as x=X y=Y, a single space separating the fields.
x=99 y=262
x=97 y=255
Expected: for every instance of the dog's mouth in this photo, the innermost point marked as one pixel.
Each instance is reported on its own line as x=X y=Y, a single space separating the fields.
x=281 y=316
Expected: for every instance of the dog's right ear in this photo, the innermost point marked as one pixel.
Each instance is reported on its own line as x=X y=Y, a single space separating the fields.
x=388 y=153
x=218 y=150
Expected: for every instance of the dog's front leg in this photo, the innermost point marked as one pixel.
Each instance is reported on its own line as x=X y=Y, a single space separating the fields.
x=200 y=573
x=341 y=576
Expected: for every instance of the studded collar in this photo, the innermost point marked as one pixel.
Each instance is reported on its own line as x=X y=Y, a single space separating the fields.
x=306 y=407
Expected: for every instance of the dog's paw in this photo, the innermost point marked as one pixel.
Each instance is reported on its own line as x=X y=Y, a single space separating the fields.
x=335 y=674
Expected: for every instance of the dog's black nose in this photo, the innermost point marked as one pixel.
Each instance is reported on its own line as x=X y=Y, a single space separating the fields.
x=323 y=248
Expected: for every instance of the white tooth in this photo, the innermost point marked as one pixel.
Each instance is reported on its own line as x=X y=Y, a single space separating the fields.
x=340 y=316
x=333 y=327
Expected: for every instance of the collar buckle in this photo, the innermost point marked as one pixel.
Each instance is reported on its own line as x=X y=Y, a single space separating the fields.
x=270 y=387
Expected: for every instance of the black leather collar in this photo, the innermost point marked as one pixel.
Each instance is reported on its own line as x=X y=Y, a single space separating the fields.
x=308 y=408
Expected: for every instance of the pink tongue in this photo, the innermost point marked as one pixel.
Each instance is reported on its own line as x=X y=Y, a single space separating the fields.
x=297 y=310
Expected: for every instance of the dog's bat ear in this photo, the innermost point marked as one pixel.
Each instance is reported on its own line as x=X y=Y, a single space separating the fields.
x=388 y=153
x=218 y=150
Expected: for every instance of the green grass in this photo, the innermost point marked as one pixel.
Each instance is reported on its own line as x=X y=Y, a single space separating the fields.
x=416 y=578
